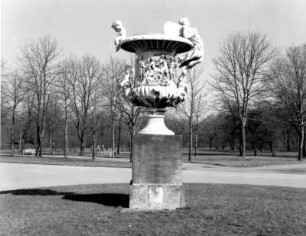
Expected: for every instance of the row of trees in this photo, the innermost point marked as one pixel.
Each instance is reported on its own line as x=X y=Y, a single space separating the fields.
x=250 y=70
x=259 y=93
x=47 y=94
x=267 y=129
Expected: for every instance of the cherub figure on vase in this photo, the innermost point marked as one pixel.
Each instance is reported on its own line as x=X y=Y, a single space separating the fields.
x=118 y=27
x=191 y=58
x=126 y=83
x=196 y=54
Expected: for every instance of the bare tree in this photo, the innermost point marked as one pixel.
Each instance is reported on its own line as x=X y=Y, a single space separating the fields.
x=131 y=116
x=53 y=119
x=112 y=74
x=85 y=83
x=95 y=118
x=4 y=101
x=39 y=63
x=12 y=94
x=28 y=117
x=67 y=71
x=191 y=111
x=241 y=69
x=288 y=81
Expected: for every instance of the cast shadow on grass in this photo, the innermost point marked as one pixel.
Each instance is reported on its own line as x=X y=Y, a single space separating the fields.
x=106 y=199
x=35 y=192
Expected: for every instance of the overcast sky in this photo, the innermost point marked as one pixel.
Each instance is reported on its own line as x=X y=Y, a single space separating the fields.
x=84 y=26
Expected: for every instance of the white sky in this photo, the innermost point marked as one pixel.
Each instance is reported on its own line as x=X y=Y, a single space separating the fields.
x=83 y=26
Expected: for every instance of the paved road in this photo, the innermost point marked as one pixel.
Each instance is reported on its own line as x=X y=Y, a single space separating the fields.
x=17 y=176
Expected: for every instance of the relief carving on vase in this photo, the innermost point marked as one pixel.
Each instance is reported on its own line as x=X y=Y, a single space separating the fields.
x=158 y=70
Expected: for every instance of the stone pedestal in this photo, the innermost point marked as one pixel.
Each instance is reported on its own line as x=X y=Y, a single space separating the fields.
x=157 y=173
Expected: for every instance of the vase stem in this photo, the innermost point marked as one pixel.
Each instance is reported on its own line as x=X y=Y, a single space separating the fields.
x=156 y=123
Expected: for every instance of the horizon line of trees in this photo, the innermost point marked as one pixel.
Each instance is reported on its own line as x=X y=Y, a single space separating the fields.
x=56 y=102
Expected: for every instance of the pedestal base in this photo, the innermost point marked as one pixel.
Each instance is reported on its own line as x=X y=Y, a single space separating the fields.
x=157 y=173
x=156 y=197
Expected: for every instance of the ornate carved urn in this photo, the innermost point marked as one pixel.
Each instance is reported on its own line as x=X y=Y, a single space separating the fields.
x=157 y=81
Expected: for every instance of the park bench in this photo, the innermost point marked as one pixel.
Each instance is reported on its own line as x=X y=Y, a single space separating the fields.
x=109 y=153
x=29 y=151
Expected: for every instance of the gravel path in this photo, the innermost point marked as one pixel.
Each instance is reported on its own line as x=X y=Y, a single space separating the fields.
x=18 y=176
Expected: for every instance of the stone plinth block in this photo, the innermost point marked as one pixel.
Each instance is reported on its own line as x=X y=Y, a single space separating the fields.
x=157 y=159
x=156 y=197
x=157 y=173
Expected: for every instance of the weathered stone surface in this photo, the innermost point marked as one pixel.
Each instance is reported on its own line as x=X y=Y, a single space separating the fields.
x=138 y=196
x=156 y=197
x=172 y=197
x=157 y=170
x=157 y=159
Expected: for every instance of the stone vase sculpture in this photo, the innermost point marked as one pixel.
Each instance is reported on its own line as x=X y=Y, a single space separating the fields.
x=156 y=82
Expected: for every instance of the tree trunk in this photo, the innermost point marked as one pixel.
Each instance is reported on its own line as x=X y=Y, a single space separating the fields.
x=190 y=142
x=288 y=140
x=38 y=140
x=255 y=148
x=301 y=142
x=82 y=147
x=20 y=141
x=254 y=145
x=132 y=132
x=113 y=136
x=94 y=145
x=52 y=140
x=304 y=144
x=66 y=137
x=272 y=149
x=232 y=144
x=243 y=138
x=12 y=133
x=119 y=136
x=196 y=145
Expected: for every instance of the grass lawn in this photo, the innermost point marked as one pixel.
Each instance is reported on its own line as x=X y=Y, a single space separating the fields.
x=236 y=161
x=122 y=160
x=71 y=161
x=212 y=209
